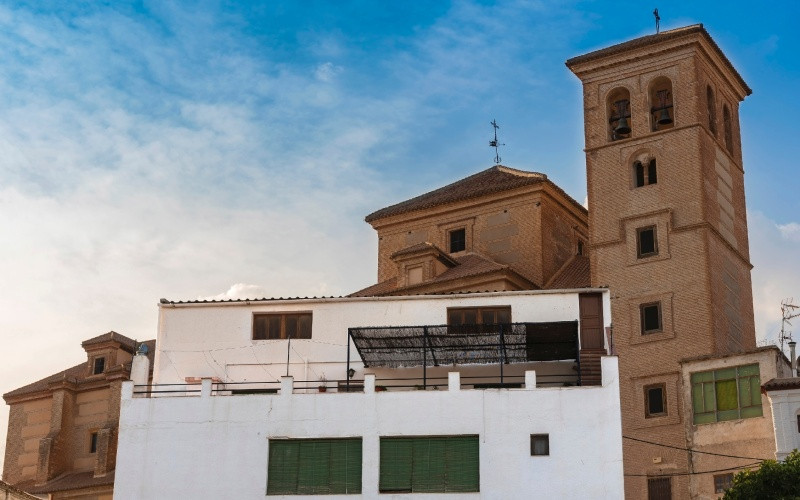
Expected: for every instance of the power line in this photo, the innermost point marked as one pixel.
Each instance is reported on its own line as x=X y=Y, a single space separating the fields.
x=695 y=473
x=693 y=451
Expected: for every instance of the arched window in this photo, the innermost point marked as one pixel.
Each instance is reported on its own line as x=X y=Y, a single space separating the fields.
x=662 y=112
x=727 y=128
x=712 y=111
x=645 y=175
x=618 y=107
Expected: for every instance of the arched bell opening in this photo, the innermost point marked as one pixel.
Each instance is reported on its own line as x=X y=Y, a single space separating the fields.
x=712 y=110
x=618 y=107
x=727 y=128
x=662 y=109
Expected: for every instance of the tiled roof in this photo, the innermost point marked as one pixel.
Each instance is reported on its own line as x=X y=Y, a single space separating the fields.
x=469 y=265
x=76 y=374
x=783 y=384
x=575 y=273
x=15 y=492
x=492 y=180
x=112 y=335
x=69 y=481
x=658 y=38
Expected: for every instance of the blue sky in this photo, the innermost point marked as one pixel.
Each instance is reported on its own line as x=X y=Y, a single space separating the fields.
x=184 y=150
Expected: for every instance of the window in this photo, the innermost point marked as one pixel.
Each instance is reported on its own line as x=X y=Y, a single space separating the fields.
x=662 y=115
x=650 y=317
x=726 y=394
x=458 y=240
x=619 y=114
x=655 y=400
x=282 y=326
x=465 y=319
x=580 y=247
x=646 y=245
x=645 y=176
x=712 y=111
x=798 y=423
x=722 y=482
x=99 y=365
x=429 y=464
x=659 y=488
x=93 y=442
x=314 y=466
x=727 y=128
x=540 y=445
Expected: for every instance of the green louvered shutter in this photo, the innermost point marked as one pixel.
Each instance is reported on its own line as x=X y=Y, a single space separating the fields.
x=463 y=470
x=345 y=466
x=395 y=466
x=283 y=465
x=314 y=466
x=429 y=464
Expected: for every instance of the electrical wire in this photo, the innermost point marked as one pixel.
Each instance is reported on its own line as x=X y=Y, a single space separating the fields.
x=670 y=474
x=693 y=451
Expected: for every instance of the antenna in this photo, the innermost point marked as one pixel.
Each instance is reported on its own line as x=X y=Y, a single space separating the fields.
x=658 y=21
x=495 y=144
x=788 y=311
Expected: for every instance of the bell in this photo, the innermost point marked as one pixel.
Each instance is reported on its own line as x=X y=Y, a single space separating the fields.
x=622 y=126
x=663 y=117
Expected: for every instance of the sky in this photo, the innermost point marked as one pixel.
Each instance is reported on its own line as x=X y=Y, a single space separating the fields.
x=230 y=149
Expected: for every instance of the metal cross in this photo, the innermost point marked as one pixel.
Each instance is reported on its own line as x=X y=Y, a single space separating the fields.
x=495 y=144
x=658 y=21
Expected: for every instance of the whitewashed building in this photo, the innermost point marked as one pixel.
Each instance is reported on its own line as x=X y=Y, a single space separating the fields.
x=484 y=395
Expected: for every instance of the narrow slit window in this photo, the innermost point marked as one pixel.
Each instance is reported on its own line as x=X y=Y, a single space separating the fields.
x=646 y=242
x=93 y=442
x=655 y=400
x=99 y=365
x=650 y=317
x=712 y=111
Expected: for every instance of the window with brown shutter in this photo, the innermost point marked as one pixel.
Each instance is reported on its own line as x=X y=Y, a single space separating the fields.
x=282 y=326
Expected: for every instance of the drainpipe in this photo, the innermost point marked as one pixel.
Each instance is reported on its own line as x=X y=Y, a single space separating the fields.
x=793 y=357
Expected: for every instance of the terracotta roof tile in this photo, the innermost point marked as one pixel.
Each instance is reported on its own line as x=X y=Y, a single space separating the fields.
x=575 y=273
x=658 y=38
x=69 y=481
x=16 y=492
x=492 y=180
x=783 y=384
x=112 y=335
x=469 y=265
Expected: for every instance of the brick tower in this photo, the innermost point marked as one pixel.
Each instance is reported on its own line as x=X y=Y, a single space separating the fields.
x=667 y=228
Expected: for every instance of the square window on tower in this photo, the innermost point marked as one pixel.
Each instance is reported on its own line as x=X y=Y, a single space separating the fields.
x=646 y=243
x=458 y=240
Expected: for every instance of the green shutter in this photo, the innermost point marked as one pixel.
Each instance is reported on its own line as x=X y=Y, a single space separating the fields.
x=463 y=467
x=282 y=470
x=395 y=466
x=314 y=466
x=434 y=464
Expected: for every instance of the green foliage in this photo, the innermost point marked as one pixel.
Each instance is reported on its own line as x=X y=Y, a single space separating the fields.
x=771 y=481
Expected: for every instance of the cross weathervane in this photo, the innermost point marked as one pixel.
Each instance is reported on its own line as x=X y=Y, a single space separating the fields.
x=658 y=21
x=495 y=144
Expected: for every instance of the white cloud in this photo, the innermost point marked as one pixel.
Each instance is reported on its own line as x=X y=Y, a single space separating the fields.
x=790 y=231
x=326 y=72
x=776 y=272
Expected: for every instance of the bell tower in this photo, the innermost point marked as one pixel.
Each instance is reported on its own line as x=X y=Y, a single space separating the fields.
x=667 y=228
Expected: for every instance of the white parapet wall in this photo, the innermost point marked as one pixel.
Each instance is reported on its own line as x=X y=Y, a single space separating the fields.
x=216 y=446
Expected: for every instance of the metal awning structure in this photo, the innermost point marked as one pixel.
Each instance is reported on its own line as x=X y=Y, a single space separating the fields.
x=414 y=346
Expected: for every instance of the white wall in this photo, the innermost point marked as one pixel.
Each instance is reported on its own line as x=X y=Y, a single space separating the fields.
x=217 y=446
x=785 y=409
x=214 y=339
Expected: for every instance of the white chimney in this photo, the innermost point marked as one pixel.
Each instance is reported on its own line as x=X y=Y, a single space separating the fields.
x=140 y=369
x=793 y=357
